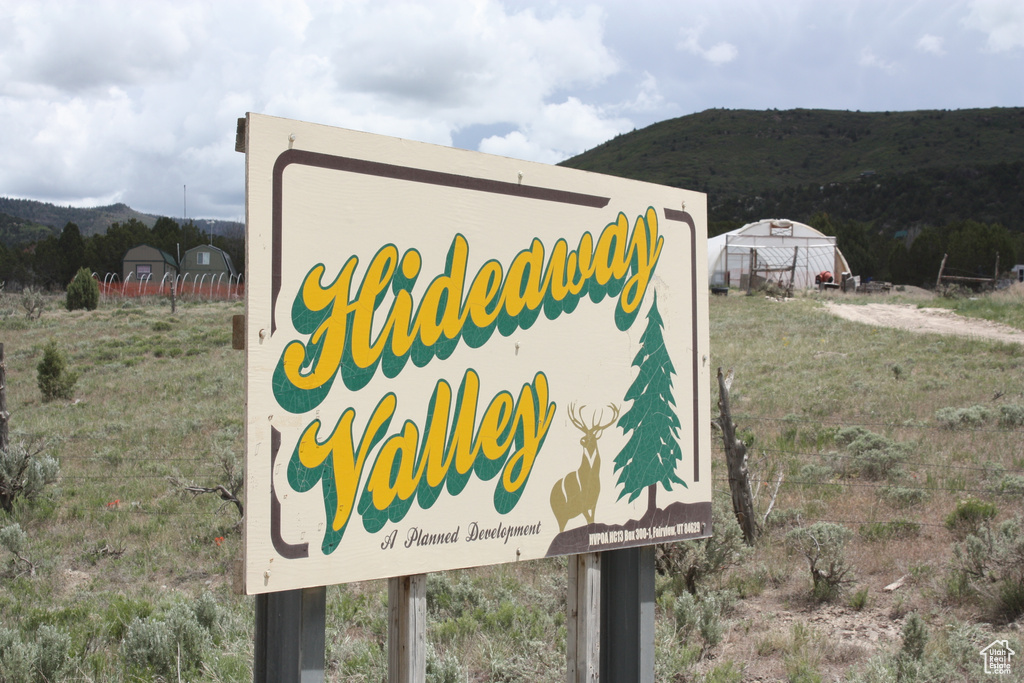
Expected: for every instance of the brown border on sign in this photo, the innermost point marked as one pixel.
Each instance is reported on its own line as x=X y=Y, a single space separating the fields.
x=382 y=170
x=419 y=175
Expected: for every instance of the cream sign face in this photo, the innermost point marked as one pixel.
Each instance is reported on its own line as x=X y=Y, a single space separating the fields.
x=454 y=359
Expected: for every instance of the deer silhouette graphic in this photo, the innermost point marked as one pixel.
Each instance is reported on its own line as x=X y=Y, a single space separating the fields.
x=576 y=493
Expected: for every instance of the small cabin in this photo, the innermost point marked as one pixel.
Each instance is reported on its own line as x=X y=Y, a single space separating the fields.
x=1018 y=272
x=147 y=263
x=207 y=260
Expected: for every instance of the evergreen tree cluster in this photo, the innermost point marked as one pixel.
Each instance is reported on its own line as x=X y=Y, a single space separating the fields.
x=53 y=261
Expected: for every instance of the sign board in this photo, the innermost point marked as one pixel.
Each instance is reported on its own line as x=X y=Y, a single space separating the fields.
x=455 y=359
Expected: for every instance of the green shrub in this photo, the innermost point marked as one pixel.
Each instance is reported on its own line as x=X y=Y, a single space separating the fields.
x=886 y=531
x=903 y=496
x=1011 y=415
x=702 y=614
x=44 y=658
x=968 y=515
x=915 y=637
x=54 y=653
x=1011 y=485
x=443 y=668
x=691 y=562
x=963 y=418
x=83 y=292
x=161 y=646
x=824 y=546
x=870 y=455
x=990 y=563
x=121 y=612
x=148 y=644
x=17 y=658
x=54 y=378
x=24 y=473
x=34 y=303
x=208 y=613
x=859 y=600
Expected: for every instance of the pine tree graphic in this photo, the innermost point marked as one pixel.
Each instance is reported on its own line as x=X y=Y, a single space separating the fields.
x=652 y=453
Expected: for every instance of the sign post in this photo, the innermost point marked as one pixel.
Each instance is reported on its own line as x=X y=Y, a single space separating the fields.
x=456 y=360
x=290 y=632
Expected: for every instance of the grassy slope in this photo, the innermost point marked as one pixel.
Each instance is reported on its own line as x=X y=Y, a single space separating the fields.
x=162 y=395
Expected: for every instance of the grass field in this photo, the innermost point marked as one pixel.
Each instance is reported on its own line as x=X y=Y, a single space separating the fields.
x=121 y=576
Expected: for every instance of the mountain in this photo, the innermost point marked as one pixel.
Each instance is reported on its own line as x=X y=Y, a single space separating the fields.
x=898 y=169
x=26 y=220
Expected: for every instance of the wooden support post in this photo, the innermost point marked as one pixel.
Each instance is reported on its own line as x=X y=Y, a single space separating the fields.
x=583 y=637
x=407 y=629
x=938 y=280
x=627 y=615
x=290 y=636
x=736 y=459
x=238 y=332
x=4 y=415
x=792 y=272
x=753 y=267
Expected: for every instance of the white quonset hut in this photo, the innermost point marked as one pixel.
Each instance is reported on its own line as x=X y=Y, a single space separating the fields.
x=771 y=246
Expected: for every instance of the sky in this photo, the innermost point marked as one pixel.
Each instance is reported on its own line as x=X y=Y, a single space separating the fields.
x=137 y=101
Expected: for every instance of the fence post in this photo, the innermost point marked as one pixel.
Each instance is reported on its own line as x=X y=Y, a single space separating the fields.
x=736 y=460
x=4 y=415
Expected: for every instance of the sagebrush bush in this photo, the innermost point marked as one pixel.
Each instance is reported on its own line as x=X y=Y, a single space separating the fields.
x=963 y=418
x=691 y=562
x=34 y=303
x=903 y=496
x=870 y=455
x=991 y=562
x=968 y=515
x=55 y=380
x=25 y=472
x=54 y=653
x=161 y=645
x=83 y=292
x=824 y=546
x=1011 y=415
x=702 y=614
x=886 y=531
x=41 y=658
x=443 y=668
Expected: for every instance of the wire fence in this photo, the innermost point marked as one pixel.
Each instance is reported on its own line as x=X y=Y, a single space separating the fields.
x=798 y=473
x=83 y=464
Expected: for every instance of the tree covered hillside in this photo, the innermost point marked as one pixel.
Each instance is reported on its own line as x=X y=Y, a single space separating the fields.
x=878 y=181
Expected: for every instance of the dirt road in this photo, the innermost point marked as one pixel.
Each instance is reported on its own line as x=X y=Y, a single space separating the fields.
x=935 y=320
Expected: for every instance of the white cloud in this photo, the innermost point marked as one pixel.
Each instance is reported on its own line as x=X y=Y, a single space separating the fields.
x=103 y=98
x=931 y=44
x=1002 y=20
x=717 y=54
x=558 y=132
x=869 y=59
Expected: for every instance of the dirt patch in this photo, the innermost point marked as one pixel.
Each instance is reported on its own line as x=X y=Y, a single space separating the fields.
x=934 y=320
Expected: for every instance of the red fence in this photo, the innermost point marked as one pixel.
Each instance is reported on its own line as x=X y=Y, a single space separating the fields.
x=220 y=291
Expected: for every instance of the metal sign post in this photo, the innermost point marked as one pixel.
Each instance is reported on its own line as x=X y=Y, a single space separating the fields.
x=627 y=615
x=290 y=633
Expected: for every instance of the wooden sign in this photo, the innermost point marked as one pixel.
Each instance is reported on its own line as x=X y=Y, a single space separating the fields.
x=455 y=359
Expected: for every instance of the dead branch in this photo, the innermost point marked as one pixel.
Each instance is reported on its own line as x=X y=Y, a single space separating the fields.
x=196 y=491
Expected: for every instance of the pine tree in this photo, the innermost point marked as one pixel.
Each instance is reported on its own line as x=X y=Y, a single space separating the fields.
x=652 y=453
